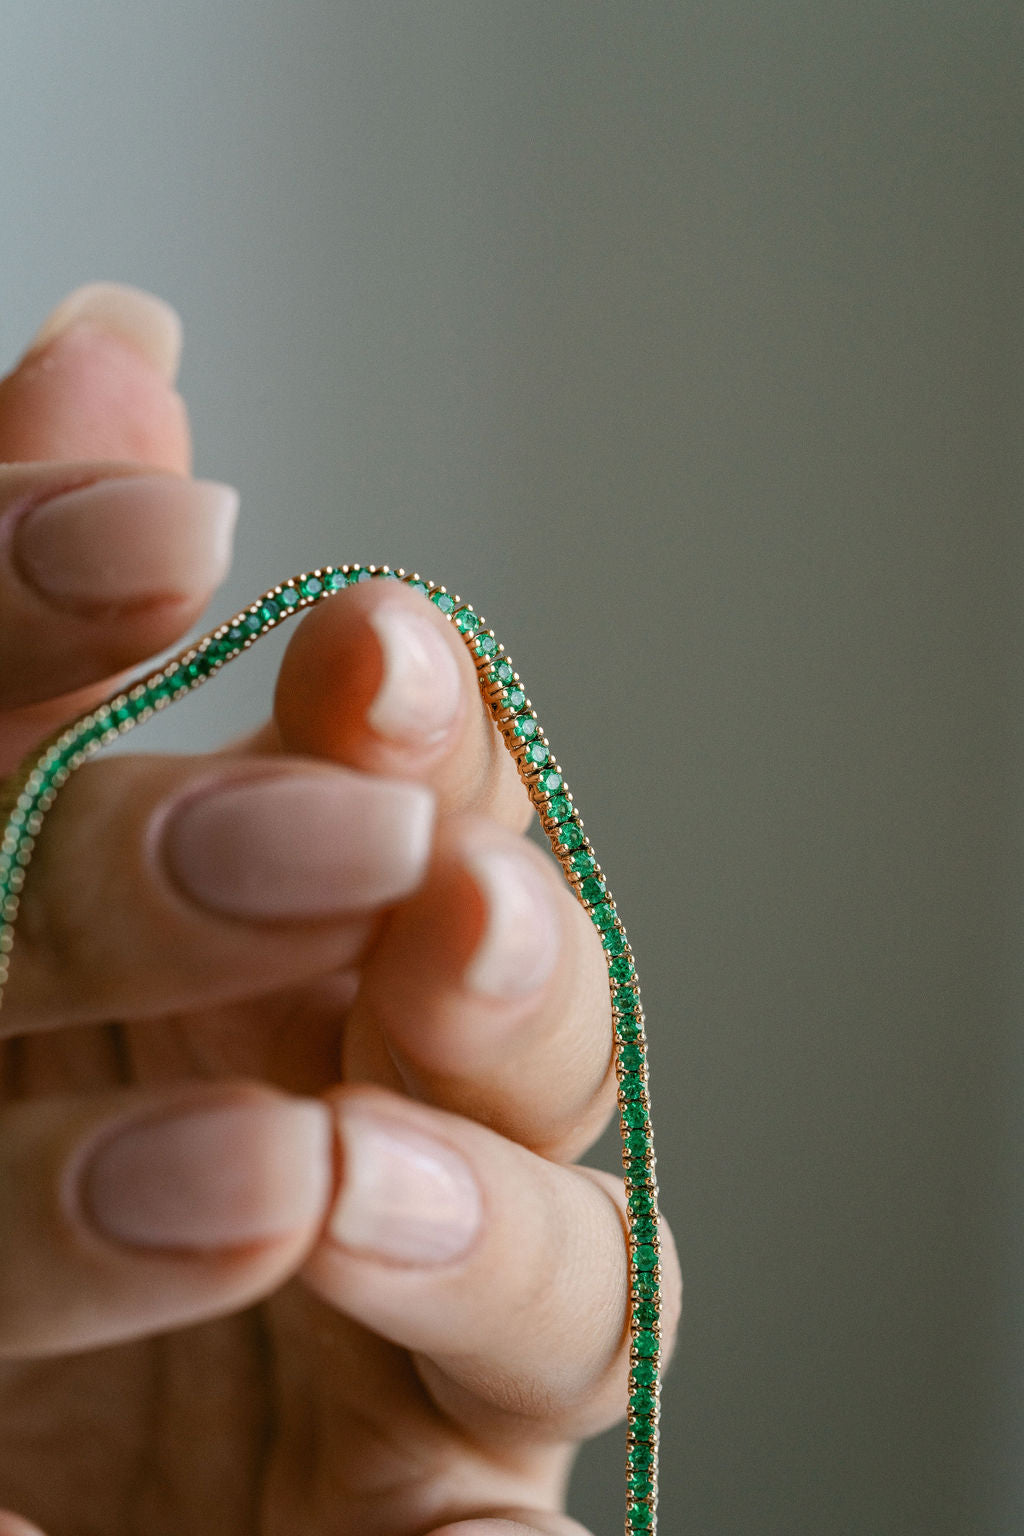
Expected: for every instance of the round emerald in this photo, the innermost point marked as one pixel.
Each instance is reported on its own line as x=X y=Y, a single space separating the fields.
x=604 y=915
x=614 y=941
x=570 y=836
x=641 y=1517
x=253 y=623
x=418 y=586
x=288 y=597
x=537 y=754
x=628 y=1027
x=637 y=1142
x=525 y=727
x=560 y=808
x=644 y=1284
x=502 y=672
x=631 y=1057
x=443 y=601
x=334 y=581
x=640 y=1457
x=593 y=889
x=513 y=699
x=641 y=1203
x=583 y=863
x=269 y=610
x=466 y=621
x=632 y=1085
x=634 y=1114
x=621 y=968
x=485 y=645
x=642 y=1429
x=636 y=1168
x=645 y=1371
x=356 y=573
x=644 y=1230
x=550 y=782
x=625 y=998
x=642 y=1401
x=640 y=1485
x=645 y=1257
x=646 y=1345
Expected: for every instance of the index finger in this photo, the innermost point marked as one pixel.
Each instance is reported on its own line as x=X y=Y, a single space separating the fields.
x=380 y=680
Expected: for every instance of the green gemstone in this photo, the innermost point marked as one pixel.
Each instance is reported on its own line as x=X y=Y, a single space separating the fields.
x=334 y=581
x=628 y=1027
x=645 y=1371
x=485 y=645
x=642 y=1429
x=641 y=1203
x=502 y=672
x=604 y=915
x=642 y=1401
x=614 y=941
x=513 y=699
x=634 y=1114
x=632 y=1057
x=311 y=587
x=444 y=601
x=635 y=1168
x=638 y=1142
x=632 y=1085
x=646 y=1345
x=570 y=835
x=640 y=1516
x=593 y=889
x=621 y=968
x=466 y=621
x=644 y=1230
x=645 y=1284
x=537 y=754
x=357 y=573
x=560 y=808
x=550 y=782
x=418 y=586
x=583 y=863
x=625 y=998
x=525 y=727
x=640 y=1485
x=269 y=610
x=640 y=1457
x=253 y=623
x=645 y=1257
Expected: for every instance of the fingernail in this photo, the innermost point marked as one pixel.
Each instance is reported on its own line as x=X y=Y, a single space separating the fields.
x=404 y=1196
x=519 y=945
x=418 y=697
x=127 y=540
x=212 y=1177
x=301 y=845
x=145 y=322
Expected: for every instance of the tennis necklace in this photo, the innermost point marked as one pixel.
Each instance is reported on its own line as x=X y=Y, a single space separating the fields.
x=29 y=793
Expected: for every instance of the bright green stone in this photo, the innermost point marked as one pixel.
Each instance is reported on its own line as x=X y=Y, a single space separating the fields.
x=640 y=1516
x=550 y=782
x=638 y=1142
x=593 y=889
x=466 y=621
x=632 y=1085
x=485 y=645
x=635 y=1168
x=645 y=1371
x=628 y=1027
x=334 y=581
x=502 y=672
x=640 y=1485
x=644 y=1230
x=570 y=835
x=621 y=968
x=604 y=915
x=513 y=699
x=614 y=941
x=642 y=1401
x=582 y=863
x=537 y=754
x=642 y=1429
x=646 y=1257
x=632 y=1057
x=357 y=573
x=641 y=1203
x=444 y=601
x=311 y=587
x=640 y=1457
x=644 y=1284
x=646 y=1345
x=634 y=1114
x=418 y=586
x=560 y=808
x=625 y=999
x=525 y=727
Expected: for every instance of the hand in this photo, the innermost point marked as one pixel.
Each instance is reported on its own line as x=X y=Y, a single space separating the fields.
x=300 y=1043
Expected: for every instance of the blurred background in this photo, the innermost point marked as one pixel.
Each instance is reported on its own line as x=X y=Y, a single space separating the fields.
x=684 y=339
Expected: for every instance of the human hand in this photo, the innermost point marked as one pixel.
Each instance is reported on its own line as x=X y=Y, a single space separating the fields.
x=301 y=1040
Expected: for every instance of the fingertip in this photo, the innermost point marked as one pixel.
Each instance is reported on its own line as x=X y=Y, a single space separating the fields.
x=148 y=324
x=15 y=1525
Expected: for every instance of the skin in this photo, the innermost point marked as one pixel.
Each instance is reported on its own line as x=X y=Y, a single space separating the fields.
x=295 y=1383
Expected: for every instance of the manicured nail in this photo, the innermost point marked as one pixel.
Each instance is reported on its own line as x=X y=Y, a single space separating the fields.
x=404 y=1196
x=127 y=540
x=212 y=1177
x=519 y=945
x=145 y=322
x=301 y=845
x=418 y=697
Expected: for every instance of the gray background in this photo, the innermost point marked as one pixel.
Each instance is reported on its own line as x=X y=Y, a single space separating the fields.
x=685 y=339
